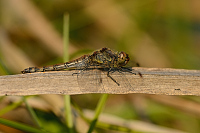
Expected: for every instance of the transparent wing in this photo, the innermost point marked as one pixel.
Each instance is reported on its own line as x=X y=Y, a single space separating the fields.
x=90 y=80
x=96 y=79
x=121 y=83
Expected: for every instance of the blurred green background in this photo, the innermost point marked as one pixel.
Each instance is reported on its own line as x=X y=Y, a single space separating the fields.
x=154 y=33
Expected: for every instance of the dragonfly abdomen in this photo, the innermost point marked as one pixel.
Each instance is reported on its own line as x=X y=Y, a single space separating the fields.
x=78 y=63
x=45 y=68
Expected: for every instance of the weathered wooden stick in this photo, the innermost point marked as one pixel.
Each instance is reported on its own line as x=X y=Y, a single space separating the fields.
x=154 y=81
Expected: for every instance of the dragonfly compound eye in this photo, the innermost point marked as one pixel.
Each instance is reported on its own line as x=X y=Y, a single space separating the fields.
x=123 y=59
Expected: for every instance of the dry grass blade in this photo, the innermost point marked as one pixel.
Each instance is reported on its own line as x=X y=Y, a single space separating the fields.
x=190 y=107
x=155 y=81
x=37 y=24
x=134 y=125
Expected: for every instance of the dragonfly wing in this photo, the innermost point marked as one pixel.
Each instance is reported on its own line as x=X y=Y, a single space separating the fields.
x=121 y=81
x=90 y=80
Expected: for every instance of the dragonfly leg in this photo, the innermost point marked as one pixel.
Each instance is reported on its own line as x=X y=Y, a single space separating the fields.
x=124 y=69
x=130 y=71
x=80 y=71
x=112 y=77
x=77 y=73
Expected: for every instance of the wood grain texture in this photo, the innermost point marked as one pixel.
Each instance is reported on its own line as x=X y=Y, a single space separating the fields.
x=154 y=81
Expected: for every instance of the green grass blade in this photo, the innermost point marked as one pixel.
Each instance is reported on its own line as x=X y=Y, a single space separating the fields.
x=99 y=108
x=32 y=113
x=68 y=113
x=66 y=37
x=20 y=126
x=10 y=107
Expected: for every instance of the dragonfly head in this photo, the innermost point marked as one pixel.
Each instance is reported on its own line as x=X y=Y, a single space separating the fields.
x=122 y=59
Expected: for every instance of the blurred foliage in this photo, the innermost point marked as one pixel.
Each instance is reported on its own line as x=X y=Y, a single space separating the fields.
x=154 y=33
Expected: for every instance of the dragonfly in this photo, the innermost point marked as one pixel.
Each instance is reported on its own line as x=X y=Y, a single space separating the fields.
x=103 y=67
